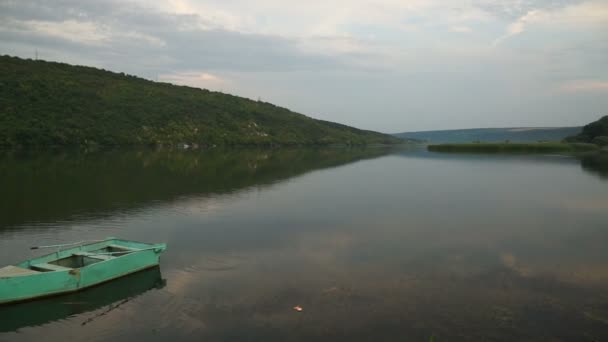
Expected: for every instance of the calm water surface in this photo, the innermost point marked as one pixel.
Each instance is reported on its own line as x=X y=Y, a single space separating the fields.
x=375 y=245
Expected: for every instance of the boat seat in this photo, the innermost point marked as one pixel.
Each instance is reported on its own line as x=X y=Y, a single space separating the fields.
x=50 y=267
x=14 y=271
x=126 y=249
x=95 y=256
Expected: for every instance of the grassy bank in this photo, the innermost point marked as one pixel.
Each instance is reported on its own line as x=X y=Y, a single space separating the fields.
x=548 y=147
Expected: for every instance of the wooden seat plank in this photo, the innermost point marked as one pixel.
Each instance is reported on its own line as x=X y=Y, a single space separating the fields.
x=13 y=271
x=51 y=267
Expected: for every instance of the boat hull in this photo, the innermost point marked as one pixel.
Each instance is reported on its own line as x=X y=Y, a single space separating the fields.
x=110 y=295
x=50 y=283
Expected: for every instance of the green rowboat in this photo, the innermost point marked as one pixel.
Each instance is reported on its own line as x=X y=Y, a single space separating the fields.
x=76 y=268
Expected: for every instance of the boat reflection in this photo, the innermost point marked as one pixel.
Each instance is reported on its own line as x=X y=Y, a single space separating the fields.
x=110 y=295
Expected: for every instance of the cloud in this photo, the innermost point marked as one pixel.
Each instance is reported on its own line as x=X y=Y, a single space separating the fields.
x=571 y=17
x=195 y=79
x=72 y=30
x=584 y=15
x=341 y=60
x=584 y=86
x=461 y=29
x=209 y=78
x=512 y=10
x=519 y=26
x=185 y=41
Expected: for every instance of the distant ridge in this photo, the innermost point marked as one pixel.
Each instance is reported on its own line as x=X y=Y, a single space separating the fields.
x=513 y=134
x=56 y=104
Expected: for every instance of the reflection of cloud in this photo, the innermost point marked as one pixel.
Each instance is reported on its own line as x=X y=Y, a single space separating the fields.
x=317 y=251
x=184 y=280
x=600 y=205
x=199 y=205
x=588 y=274
x=583 y=274
x=324 y=249
x=510 y=262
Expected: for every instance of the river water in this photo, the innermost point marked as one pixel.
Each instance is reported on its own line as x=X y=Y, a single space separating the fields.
x=372 y=244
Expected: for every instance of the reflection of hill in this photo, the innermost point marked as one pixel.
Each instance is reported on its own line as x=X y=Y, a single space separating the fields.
x=487 y=157
x=58 y=186
x=43 y=311
x=596 y=164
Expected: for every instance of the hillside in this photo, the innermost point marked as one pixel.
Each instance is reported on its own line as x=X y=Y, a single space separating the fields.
x=515 y=134
x=48 y=104
x=595 y=132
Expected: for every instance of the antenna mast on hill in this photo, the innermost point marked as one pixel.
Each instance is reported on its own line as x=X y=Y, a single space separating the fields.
x=36 y=54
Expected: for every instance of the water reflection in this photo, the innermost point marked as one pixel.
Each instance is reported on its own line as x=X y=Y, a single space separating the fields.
x=105 y=297
x=401 y=247
x=49 y=187
x=596 y=164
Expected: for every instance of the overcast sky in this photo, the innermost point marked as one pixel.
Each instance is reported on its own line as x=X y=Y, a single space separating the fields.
x=386 y=65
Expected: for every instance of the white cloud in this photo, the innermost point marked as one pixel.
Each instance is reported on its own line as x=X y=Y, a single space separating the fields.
x=363 y=34
x=461 y=29
x=585 y=15
x=520 y=25
x=209 y=78
x=142 y=37
x=203 y=80
x=575 y=17
x=584 y=86
x=72 y=30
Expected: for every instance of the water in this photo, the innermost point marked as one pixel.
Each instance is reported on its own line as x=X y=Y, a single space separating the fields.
x=374 y=245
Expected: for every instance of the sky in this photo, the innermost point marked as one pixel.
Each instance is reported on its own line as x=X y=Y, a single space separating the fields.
x=385 y=65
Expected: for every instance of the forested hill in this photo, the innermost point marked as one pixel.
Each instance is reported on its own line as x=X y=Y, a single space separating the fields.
x=49 y=104
x=515 y=134
x=595 y=132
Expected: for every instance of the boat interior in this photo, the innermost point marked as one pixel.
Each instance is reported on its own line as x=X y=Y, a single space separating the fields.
x=76 y=260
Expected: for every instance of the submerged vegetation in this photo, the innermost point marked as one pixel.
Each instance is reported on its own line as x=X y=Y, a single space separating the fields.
x=55 y=104
x=548 y=147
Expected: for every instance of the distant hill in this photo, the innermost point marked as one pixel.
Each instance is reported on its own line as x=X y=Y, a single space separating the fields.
x=514 y=134
x=595 y=132
x=45 y=103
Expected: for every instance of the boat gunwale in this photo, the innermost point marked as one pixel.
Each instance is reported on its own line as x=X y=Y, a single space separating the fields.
x=70 y=251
